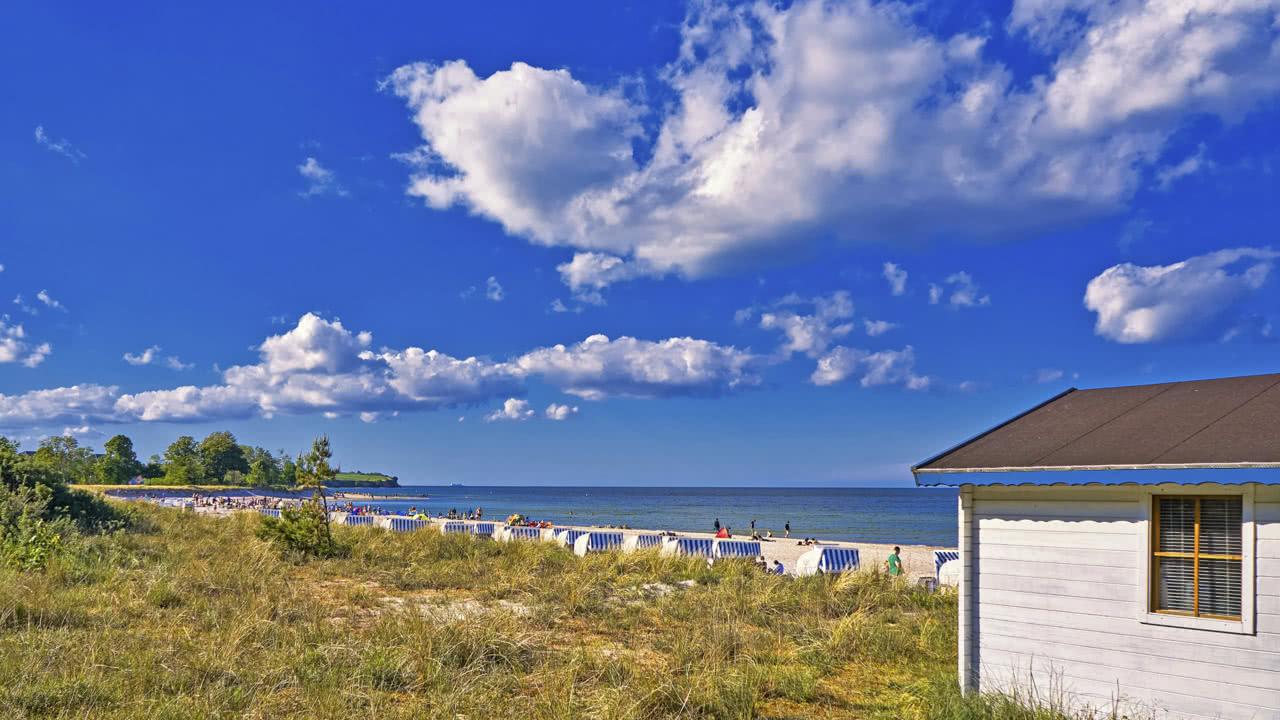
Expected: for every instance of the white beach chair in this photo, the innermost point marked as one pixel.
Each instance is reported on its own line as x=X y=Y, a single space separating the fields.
x=596 y=542
x=827 y=560
x=511 y=534
x=453 y=527
x=482 y=529
x=269 y=512
x=695 y=547
x=749 y=549
x=567 y=536
x=404 y=524
x=642 y=542
x=941 y=558
x=358 y=520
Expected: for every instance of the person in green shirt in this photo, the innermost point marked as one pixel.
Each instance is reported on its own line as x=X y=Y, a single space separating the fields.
x=894 y=563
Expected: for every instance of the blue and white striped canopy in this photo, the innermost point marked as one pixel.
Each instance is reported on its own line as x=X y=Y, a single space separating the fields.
x=599 y=541
x=838 y=560
x=524 y=533
x=648 y=541
x=404 y=524
x=482 y=529
x=453 y=527
x=942 y=557
x=571 y=536
x=737 y=549
x=701 y=547
x=358 y=520
x=269 y=512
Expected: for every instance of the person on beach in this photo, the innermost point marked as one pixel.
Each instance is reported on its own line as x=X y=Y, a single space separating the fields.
x=778 y=569
x=753 y=525
x=717 y=525
x=894 y=563
x=787 y=529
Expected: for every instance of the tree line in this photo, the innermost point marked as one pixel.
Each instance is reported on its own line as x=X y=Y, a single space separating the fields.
x=217 y=460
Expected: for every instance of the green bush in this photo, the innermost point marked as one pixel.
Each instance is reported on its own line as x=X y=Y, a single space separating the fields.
x=304 y=530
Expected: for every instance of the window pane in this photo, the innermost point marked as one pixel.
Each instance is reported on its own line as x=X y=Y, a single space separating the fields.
x=1176 y=584
x=1177 y=525
x=1220 y=587
x=1220 y=526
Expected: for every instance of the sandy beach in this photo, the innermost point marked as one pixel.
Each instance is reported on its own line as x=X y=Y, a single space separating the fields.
x=917 y=560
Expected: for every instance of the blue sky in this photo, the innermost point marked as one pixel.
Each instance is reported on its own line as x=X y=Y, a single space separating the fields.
x=582 y=243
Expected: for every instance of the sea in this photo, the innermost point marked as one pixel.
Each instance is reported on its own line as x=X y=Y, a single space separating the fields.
x=906 y=516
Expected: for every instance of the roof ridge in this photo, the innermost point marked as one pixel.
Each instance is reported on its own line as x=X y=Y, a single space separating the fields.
x=1215 y=421
x=1090 y=431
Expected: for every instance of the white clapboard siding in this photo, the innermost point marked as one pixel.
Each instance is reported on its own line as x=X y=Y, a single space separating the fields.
x=1179 y=650
x=1056 y=581
x=1049 y=569
x=1057 y=524
x=1054 y=586
x=1184 y=673
x=1067 y=509
x=1058 y=540
x=1136 y=673
x=1264 y=641
x=1088 y=558
x=1098 y=693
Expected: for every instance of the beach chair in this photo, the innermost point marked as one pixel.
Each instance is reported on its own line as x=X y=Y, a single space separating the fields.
x=596 y=542
x=453 y=527
x=737 y=549
x=269 y=512
x=482 y=529
x=695 y=547
x=511 y=534
x=827 y=560
x=358 y=520
x=940 y=558
x=404 y=524
x=568 y=537
x=946 y=567
x=642 y=542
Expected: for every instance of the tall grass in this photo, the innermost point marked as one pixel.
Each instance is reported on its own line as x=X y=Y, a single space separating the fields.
x=197 y=617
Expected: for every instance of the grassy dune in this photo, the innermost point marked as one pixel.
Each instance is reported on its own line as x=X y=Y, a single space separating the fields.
x=196 y=617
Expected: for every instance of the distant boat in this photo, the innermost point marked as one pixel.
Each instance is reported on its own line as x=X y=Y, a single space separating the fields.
x=455 y=484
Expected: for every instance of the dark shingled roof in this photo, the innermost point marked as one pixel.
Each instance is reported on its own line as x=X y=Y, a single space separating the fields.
x=1202 y=422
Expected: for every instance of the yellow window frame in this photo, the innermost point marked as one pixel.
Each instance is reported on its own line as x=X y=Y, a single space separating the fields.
x=1196 y=556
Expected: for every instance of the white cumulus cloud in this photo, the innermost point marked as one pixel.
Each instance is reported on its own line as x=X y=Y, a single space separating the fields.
x=599 y=367
x=811 y=334
x=876 y=328
x=560 y=412
x=767 y=146
x=44 y=297
x=321 y=181
x=143 y=358
x=886 y=367
x=492 y=289
x=16 y=348
x=1137 y=304
x=512 y=409
x=897 y=278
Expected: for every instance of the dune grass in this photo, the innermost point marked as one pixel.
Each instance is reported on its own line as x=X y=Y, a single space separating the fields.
x=197 y=617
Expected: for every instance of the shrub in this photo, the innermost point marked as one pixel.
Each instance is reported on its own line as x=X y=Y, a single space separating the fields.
x=304 y=530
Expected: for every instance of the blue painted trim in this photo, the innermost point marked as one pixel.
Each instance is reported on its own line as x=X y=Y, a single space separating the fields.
x=1179 y=476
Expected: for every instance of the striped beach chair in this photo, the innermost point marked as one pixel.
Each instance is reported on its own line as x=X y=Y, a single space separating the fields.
x=357 y=520
x=942 y=557
x=454 y=527
x=596 y=542
x=737 y=549
x=838 y=560
x=568 y=537
x=642 y=542
x=269 y=512
x=510 y=534
x=696 y=547
x=404 y=524
x=482 y=529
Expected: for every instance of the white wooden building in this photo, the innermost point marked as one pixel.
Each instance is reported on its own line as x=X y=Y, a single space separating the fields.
x=1121 y=546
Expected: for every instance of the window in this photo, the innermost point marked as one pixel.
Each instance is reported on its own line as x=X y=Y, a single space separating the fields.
x=1196 y=556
